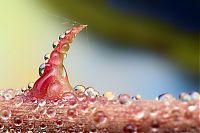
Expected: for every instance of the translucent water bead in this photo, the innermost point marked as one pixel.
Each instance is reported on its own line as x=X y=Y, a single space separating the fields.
x=9 y=94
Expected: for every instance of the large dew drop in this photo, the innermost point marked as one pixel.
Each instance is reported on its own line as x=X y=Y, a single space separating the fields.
x=5 y=114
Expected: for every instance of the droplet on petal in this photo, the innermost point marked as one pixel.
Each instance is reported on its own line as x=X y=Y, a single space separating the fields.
x=9 y=94
x=80 y=88
x=166 y=97
x=55 y=44
x=30 y=85
x=18 y=121
x=185 y=97
x=124 y=99
x=5 y=114
x=51 y=112
x=67 y=95
x=41 y=69
x=100 y=118
x=129 y=128
x=18 y=101
x=61 y=36
x=109 y=95
x=195 y=95
x=91 y=92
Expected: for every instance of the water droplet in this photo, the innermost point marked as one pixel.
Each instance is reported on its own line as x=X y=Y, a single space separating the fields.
x=91 y=92
x=59 y=123
x=195 y=95
x=81 y=97
x=155 y=124
x=18 y=92
x=100 y=118
x=47 y=56
x=34 y=107
x=137 y=97
x=185 y=97
x=72 y=102
x=83 y=107
x=18 y=101
x=192 y=108
x=80 y=88
x=65 y=48
x=9 y=94
x=71 y=113
x=67 y=32
x=60 y=104
x=67 y=95
x=51 y=112
x=18 y=121
x=129 y=128
x=42 y=102
x=23 y=89
x=55 y=44
x=62 y=36
x=30 y=125
x=33 y=99
x=93 y=129
x=109 y=95
x=41 y=69
x=1 y=125
x=43 y=125
x=92 y=99
x=124 y=99
x=166 y=97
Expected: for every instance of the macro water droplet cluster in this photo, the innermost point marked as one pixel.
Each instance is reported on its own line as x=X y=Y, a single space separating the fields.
x=51 y=104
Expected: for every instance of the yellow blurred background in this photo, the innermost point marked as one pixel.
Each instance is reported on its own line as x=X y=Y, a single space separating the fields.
x=120 y=51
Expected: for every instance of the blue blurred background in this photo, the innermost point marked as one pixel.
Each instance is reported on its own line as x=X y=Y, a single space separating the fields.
x=145 y=47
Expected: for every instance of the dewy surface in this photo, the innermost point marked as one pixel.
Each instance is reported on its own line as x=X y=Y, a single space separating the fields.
x=51 y=104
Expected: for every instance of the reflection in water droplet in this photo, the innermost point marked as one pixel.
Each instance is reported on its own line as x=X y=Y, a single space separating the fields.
x=92 y=99
x=47 y=56
x=42 y=102
x=9 y=94
x=80 y=88
x=61 y=36
x=55 y=44
x=1 y=125
x=137 y=97
x=59 y=123
x=5 y=114
x=129 y=128
x=81 y=97
x=30 y=125
x=41 y=69
x=67 y=32
x=23 y=89
x=30 y=85
x=192 y=108
x=18 y=101
x=18 y=121
x=185 y=97
x=109 y=95
x=67 y=95
x=51 y=112
x=166 y=97
x=124 y=99
x=195 y=95
x=43 y=125
x=71 y=113
x=100 y=118
x=65 y=48
x=91 y=92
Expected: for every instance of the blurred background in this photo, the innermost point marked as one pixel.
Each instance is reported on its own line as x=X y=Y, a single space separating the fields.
x=145 y=47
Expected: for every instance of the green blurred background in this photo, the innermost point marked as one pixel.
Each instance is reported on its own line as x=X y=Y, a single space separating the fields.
x=145 y=47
